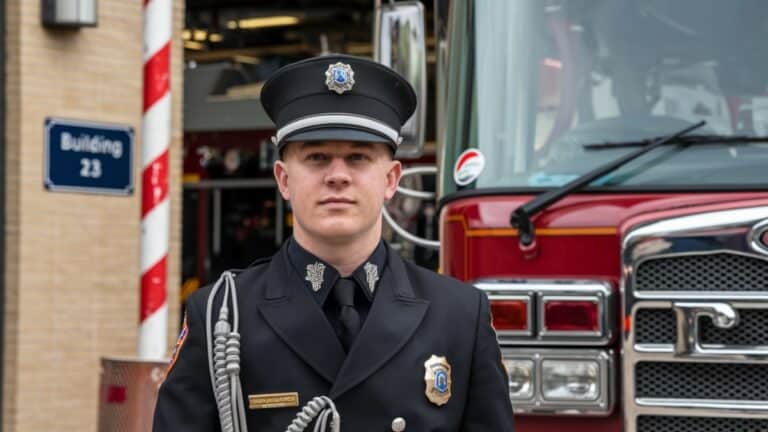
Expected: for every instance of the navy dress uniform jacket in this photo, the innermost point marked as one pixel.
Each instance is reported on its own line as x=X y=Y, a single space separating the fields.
x=288 y=345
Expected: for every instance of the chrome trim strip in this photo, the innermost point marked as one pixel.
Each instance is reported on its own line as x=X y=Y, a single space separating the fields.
x=668 y=355
x=709 y=404
x=755 y=242
x=692 y=295
x=565 y=289
x=731 y=231
x=537 y=405
x=683 y=408
x=707 y=222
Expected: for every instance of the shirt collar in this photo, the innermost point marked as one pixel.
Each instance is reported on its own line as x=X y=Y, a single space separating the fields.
x=319 y=277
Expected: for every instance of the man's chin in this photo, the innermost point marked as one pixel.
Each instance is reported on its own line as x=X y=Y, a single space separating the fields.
x=337 y=231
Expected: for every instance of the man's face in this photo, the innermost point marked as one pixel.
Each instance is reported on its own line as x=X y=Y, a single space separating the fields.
x=337 y=188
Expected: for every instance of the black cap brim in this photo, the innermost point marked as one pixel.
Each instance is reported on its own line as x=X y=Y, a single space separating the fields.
x=339 y=134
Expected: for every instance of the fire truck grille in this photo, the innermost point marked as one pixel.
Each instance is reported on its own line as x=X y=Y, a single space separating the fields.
x=657 y=326
x=702 y=381
x=714 y=272
x=699 y=424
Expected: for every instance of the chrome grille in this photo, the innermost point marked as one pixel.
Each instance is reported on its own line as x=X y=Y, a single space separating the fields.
x=658 y=326
x=710 y=271
x=655 y=326
x=702 y=381
x=751 y=330
x=699 y=424
x=713 y=272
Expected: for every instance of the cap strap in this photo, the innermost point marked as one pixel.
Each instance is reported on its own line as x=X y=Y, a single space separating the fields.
x=337 y=119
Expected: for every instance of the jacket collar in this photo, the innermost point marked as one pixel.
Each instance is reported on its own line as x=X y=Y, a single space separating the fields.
x=319 y=277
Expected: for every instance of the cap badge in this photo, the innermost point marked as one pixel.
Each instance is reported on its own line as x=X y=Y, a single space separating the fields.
x=339 y=77
x=371 y=275
x=315 y=275
x=437 y=377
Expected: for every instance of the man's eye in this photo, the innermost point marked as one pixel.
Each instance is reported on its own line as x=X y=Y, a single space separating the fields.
x=358 y=157
x=316 y=157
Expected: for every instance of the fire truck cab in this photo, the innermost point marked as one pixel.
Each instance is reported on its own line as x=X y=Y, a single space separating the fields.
x=639 y=302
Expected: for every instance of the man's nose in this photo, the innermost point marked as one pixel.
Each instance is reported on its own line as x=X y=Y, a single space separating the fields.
x=338 y=173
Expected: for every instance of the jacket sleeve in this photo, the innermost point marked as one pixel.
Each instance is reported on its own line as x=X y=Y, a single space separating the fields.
x=185 y=401
x=488 y=407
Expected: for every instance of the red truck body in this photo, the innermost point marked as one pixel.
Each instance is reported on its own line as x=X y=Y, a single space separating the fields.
x=578 y=238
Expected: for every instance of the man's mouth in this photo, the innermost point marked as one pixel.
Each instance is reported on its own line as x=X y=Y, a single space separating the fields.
x=336 y=200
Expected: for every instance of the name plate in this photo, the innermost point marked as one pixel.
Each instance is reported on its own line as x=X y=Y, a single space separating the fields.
x=273 y=400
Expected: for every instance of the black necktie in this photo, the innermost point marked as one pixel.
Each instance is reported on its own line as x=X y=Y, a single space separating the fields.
x=344 y=293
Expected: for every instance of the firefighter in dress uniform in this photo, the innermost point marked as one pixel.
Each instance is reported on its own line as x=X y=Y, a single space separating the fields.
x=336 y=312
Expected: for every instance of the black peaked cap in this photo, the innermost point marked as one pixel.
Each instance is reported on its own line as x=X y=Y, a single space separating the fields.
x=379 y=97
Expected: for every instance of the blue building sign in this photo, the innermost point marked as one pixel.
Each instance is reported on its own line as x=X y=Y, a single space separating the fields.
x=88 y=157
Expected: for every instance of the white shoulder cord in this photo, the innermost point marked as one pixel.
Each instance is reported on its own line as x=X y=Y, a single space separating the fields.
x=224 y=357
x=224 y=369
x=323 y=406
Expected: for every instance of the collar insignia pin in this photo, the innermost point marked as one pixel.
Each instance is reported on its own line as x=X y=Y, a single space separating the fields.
x=315 y=275
x=437 y=377
x=371 y=275
x=339 y=77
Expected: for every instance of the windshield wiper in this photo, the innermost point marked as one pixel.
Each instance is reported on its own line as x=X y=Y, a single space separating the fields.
x=686 y=140
x=522 y=217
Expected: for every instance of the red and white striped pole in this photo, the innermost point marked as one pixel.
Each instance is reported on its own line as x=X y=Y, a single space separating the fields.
x=155 y=205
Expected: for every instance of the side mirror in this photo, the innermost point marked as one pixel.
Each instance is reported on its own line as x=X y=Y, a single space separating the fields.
x=399 y=42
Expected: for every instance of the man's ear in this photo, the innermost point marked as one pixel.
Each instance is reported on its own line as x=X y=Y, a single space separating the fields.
x=393 y=178
x=280 y=170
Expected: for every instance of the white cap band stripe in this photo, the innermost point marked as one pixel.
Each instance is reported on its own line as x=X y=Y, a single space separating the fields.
x=337 y=119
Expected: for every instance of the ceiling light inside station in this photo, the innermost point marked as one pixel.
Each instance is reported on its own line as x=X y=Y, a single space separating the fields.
x=271 y=21
x=186 y=35
x=215 y=37
x=246 y=59
x=192 y=45
x=199 y=35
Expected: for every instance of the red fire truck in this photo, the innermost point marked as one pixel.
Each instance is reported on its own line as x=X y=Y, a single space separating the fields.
x=622 y=242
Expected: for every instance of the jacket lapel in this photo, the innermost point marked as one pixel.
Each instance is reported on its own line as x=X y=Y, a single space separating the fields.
x=298 y=319
x=395 y=314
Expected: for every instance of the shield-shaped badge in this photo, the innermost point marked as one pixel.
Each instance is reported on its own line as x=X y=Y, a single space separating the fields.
x=437 y=377
x=339 y=77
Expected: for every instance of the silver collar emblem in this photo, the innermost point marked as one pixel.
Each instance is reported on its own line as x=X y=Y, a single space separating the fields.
x=371 y=275
x=315 y=275
x=339 y=77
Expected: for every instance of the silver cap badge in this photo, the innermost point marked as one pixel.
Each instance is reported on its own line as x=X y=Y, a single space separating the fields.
x=315 y=275
x=371 y=275
x=339 y=77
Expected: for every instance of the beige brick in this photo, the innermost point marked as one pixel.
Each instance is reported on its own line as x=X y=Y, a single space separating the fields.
x=72 y=260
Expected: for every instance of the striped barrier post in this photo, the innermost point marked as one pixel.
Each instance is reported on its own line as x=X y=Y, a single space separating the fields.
x=155 y=205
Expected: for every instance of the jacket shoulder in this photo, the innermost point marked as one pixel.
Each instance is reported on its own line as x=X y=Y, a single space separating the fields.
x=430 y=284
x=246 y=280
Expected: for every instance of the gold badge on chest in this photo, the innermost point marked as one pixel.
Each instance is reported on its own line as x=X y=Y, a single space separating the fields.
x=437 y=377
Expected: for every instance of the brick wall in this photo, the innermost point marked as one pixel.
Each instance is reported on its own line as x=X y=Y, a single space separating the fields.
x=72 y=260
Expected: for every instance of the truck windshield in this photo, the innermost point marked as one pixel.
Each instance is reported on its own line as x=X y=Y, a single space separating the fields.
x=531 y=83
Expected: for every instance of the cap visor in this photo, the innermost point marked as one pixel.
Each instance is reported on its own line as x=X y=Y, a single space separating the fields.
x=338 y=134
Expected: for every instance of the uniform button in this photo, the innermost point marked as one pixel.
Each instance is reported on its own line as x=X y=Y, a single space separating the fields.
x=398 y=424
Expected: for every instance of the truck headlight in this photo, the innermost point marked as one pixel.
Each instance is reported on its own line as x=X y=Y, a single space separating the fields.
x=520 y=378
x=570 y=380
